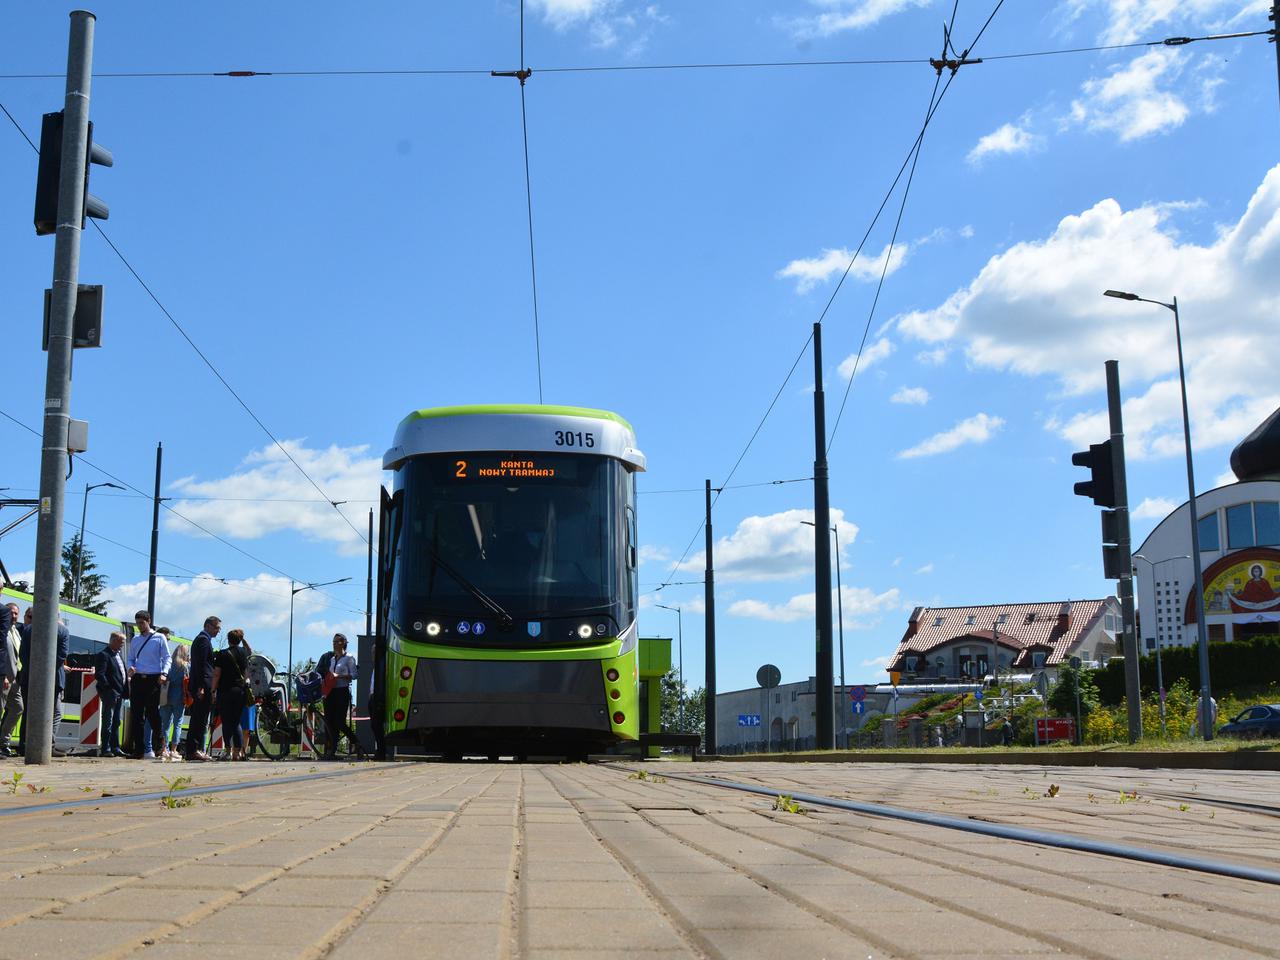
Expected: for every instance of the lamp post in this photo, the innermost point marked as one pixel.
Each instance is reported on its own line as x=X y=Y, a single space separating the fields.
x=680 y=634
x=1202 y=633
x=84 y=511
x=293 y=592
x=844 y=722
x=1159 y=668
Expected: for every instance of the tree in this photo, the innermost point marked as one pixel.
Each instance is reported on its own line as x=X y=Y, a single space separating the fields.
x=1062 y=698
x=91 y=583
x=695 y=706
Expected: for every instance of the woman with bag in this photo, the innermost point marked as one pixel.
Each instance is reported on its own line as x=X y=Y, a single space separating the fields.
x=174 y=704
x=232 y=691
x=337 y=696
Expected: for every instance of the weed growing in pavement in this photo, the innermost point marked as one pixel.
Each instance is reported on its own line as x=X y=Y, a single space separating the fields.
x=1031 y=794
x=13 y=783
x=1052 y=791
x=1127 y=797
x=1184 y=807
x=783 y=803
x=175 y=785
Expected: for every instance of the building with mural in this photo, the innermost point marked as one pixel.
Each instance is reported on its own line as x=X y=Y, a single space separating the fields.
x=1239 y=531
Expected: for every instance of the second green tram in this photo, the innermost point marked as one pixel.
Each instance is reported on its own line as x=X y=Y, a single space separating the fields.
x=507 y=582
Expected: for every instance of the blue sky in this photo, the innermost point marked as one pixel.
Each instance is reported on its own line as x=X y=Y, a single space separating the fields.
x=348 y=248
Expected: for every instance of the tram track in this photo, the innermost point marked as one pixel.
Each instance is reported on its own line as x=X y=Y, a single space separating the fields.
x=994 y=829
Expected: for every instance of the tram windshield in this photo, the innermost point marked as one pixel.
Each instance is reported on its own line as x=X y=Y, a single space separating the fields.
x=519 y=535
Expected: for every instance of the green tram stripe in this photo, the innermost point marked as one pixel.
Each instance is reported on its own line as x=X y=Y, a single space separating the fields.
x=516 y=408
x=435 y=651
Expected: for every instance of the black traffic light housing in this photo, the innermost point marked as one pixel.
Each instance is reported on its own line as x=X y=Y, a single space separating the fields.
x=1102 y=488
x=1111 y=565
x=49 y=174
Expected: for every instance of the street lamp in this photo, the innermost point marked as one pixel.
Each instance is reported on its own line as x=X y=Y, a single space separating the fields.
x=680 y=634
x=1159 y=669
x=1202 y=633
x=293 y=592
x=844 y=722
x=84 y=510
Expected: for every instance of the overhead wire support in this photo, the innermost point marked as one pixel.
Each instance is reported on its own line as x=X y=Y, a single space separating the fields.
x=522 y=75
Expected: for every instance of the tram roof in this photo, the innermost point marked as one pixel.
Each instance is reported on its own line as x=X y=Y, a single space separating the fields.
x=509 y=426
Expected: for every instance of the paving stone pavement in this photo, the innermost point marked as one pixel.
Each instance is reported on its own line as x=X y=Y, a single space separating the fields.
x=481 y=860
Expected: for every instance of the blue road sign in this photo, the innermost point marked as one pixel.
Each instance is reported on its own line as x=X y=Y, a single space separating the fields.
x=977 y=695
x=859 y=707
x=748 y=719
x=858 y=694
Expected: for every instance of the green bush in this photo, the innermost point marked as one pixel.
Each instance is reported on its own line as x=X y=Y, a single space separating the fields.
x=1240 y=665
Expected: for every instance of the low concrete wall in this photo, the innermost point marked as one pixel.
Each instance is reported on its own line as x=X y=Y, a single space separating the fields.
x=1142 y=759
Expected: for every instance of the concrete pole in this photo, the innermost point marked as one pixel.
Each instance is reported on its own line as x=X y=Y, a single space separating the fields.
x=822 y=557
x=368 y=588
x=57 y=396
x=844 y=691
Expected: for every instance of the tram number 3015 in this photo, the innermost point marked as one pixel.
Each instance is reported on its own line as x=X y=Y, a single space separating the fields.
x=570 y=438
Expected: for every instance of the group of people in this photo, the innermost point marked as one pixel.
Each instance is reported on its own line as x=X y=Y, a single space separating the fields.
x=162 y=684
x=15 y=655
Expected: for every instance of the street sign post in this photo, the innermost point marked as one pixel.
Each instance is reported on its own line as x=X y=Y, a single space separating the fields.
x=858 y=693
x=859 y=707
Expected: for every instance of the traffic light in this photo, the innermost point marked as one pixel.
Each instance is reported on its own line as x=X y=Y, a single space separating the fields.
x=1102 y=488
x=1111 y=564
x=49 y=174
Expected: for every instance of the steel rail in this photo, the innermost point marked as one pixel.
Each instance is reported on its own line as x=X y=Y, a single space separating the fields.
x=1044 y=838
x=58 y=807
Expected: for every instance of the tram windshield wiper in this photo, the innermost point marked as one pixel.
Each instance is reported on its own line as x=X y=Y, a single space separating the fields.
x=485 y=600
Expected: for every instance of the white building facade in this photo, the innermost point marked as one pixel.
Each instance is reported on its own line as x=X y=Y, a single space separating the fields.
x=1239 y=530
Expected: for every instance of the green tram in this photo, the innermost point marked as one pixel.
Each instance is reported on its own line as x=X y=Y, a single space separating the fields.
x=507 y=583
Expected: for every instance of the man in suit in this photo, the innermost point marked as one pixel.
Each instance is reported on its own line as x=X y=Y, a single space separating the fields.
x=109 y=669
x=10 y=662
x=200 y=686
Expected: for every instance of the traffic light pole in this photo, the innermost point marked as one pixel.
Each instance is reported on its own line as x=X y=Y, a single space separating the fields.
x=1132 y=684
x=38 y=717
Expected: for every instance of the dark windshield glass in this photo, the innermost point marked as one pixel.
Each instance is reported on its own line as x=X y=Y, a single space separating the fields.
x=536 y=533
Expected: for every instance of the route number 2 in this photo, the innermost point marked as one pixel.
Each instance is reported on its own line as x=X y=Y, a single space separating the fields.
x=462 y=469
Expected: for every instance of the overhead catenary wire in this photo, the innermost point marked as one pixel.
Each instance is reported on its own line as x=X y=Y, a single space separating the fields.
x=203 y=529
x=201 y=354
x=620 y=68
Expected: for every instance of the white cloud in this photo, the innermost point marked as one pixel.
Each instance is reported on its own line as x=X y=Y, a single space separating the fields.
x=1130 y=20
x=927 y=568
x=881 y=662
x=1221 y=480
x=1037 y=309
x=915 y=396
x=878 y=351
x=1154 y=508
x=269 y=494
x=1131 y=100
x=836 y=16
x=654 y=554
x=774 y=547
x=977 y=429
x=608 y=23
x=1008 y=138
x=833 y=261
x=933 y=358
x=258 y=605
x=859 y=603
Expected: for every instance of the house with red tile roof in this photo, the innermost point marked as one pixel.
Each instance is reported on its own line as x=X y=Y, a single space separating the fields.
x=960 y=644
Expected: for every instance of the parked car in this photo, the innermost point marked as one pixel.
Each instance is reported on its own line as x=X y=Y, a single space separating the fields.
x=1262 y=720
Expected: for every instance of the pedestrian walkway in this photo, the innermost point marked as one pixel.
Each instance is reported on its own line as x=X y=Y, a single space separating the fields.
x=481 y=860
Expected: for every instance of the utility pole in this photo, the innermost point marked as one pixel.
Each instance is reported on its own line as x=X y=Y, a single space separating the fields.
x=822 y=555
x=709 y=593
x=1275 y=34
x=155 y=537
x=368 y=586
x=1132 y=686
x=57 y=395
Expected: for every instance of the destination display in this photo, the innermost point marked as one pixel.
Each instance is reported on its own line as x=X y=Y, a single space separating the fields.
x=523 y=467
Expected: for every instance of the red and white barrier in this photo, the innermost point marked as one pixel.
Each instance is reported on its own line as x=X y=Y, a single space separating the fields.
x=216 y=746
x=307 y=750
x=90 y=712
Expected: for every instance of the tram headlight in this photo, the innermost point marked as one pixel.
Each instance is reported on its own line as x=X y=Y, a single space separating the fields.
x=585 y=631
x=417 y=626
x=600 y=629
x=612 y=674
x=433 y=629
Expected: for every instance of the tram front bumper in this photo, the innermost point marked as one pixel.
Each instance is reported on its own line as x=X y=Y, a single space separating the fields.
x=519 y=694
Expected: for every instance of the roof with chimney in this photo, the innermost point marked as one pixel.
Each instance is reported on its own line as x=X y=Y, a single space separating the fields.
x=1055 y=627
